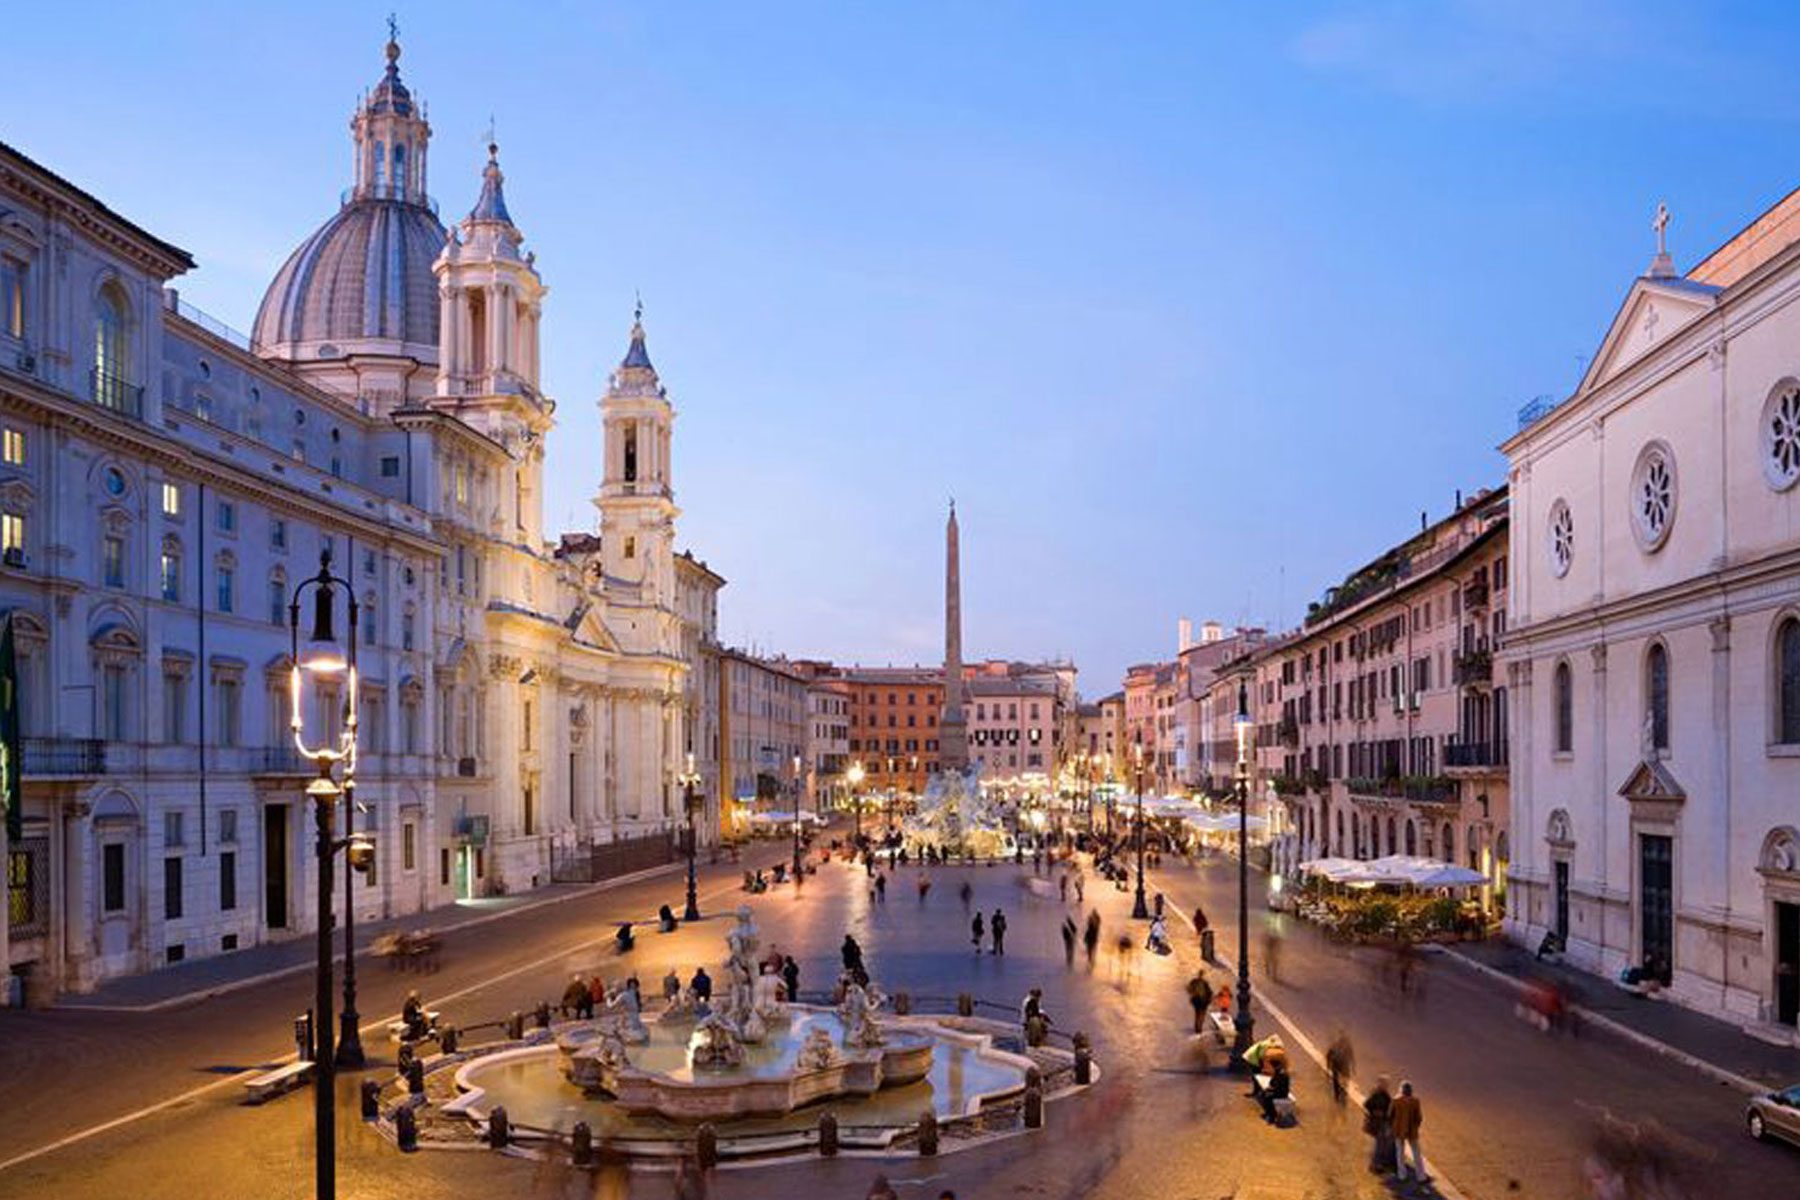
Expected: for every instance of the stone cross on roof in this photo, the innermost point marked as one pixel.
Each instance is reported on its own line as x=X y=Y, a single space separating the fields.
x=1662 y=266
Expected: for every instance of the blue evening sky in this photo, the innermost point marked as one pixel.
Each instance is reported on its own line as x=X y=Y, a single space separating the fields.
x=1191 y=306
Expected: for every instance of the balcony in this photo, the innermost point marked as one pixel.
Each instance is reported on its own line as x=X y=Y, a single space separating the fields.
x=1475 y=596
x=1476 y=757
x=116 y=393
x=1474 y=668
x=47 y=757
x=1414 y=789
x=280 y=760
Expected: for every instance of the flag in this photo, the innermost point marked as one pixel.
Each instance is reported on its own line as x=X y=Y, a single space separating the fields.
x=10 y=757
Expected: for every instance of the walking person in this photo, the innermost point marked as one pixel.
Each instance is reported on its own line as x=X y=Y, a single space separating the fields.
x=1200 y=994
x=1090 y=937
x=881 y=887
x=1340 y=1061
x=1378 y=1119
x=1078 y=887
x=998 y=925
x=1062 y=886
x=924 y=886
x=967 y=893
x=1068 y=937
x=1406 y=1117
x=977 y=931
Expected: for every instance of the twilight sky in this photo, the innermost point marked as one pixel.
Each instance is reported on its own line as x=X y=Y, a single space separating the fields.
x=1192 y=307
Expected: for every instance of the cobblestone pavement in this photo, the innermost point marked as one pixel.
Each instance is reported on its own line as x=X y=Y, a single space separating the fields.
x=1505 y=1106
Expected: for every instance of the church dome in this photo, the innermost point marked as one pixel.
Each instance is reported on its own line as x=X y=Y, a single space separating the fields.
x=362 y=283
x=365 y=275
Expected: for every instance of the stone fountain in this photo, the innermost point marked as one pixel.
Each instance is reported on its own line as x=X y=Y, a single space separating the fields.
x=752 y=1055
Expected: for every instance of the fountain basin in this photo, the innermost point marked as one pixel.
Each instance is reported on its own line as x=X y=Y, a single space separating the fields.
x=662 y=1078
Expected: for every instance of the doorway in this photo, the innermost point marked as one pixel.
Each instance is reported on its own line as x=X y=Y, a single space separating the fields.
x=1562 y=902
x=275 y=865
x=1656 y=903
x=1787 y=963
x=465 y=873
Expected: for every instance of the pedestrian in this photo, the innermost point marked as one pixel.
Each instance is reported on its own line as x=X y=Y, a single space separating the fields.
x=1200 y=994
x=1201 y=924
x=881 y=887
x=574 y=997
x=1378 y=1124
x=1078 y=887
x=1090 y=937
x=1062 y=886
x=967 y=893
x=852 y=954
x=790 y=978
x=1068 y=937
x=1406 y=1117
x=924 y=886
x=701 y=983
x=1159 y=906
x=596 y=994
x=1340 y=1061
x=671 y=985
x=977 y=931
x=998 y=925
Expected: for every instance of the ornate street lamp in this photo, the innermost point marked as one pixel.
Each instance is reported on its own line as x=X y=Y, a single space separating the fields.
x=856 y=778
x=315 y=674
x=799 y=872
x=1243 y=1023
x=692 y=800
x=1139 y=909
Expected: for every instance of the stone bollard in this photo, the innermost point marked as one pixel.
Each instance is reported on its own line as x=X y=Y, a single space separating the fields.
x=828 y=1135
x=1034 y=1078
x=515 y=1026
x=404 y=1058
x=1084 y=1066
x=415 y=1078
x=706 y=1147
x=581 y=1144
x=1034 y=1106
x=371 y=1099
x=447 y=1039
x=902 y=1004
x=928 y=1133
x=1080 y=1041
x=406 y=1128
x=965 y=1004
x=543 y=1014
x=499 y=1131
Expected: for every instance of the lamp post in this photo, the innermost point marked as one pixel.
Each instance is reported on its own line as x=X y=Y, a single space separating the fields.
x=691 y=800
x=1242 y=1022
x=325 y=661
x=888 y=816
x=799 y=872
x=856 y=778
x=1140 y=910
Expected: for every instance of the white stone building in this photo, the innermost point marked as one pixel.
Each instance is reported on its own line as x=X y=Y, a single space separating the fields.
x=1654 y=651
x=165 y=485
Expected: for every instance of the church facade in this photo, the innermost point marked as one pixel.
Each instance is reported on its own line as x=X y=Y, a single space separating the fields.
x=164 y=485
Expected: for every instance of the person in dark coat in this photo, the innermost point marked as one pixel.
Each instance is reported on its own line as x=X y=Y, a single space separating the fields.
x=998 y=925
x=977 y=931
x=852 y=955
x=1280 y=1087
x=701 y=983
x=1378 y=1124
x=790 y=978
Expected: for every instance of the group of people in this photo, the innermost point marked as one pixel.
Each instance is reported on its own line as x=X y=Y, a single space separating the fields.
x=1393 y=1123
x=995 y=929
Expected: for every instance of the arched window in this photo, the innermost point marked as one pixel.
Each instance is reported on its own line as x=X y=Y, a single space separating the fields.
x=1393 y=844
x=397 y=184
x=1412 y=837
x=111 y=346
x=1656 y=694
x=1787 y=682
x=1564 y=701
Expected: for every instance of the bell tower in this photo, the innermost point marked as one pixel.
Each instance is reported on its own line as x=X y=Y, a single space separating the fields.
x=637 y=498
x=490 y=305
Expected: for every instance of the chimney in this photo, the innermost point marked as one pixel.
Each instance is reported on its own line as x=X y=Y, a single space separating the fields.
x=1210 y=632
x=1184 y=634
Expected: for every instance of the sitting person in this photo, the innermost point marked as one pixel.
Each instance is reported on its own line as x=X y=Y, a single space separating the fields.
x=412 y=1016
x=1552 y=944
x=1280 y=1088
x=666 y=916
x=575 y=998
x=624 y=937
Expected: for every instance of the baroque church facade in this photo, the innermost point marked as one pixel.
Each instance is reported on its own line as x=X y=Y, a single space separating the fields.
x=164 y=485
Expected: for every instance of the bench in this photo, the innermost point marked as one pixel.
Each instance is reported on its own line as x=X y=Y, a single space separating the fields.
x=397 y=1029
x=1222 y=1028
x=1286 y=1111
x=281 y=1079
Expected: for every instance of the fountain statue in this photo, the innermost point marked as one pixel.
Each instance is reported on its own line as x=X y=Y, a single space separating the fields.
x=626 y=1004
x=956 y=818
x=857 y=1013
x=768 y=996
x=681 y=1005
x=817 y=1053
x=715 y=1043
x=739 y=1005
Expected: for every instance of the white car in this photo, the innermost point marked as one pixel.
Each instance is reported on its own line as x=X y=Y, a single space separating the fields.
x=1775 y=1114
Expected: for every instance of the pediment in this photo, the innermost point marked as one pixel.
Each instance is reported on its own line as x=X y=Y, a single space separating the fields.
x=1651 y=783
x=1654 y=311
x=591 y=630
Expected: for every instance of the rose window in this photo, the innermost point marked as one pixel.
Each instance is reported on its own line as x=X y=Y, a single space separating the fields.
x=1562 y=539
x=1781 y=437
x=1653 y=496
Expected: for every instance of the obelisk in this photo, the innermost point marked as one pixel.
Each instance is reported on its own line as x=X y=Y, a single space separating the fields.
x=953 y=729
